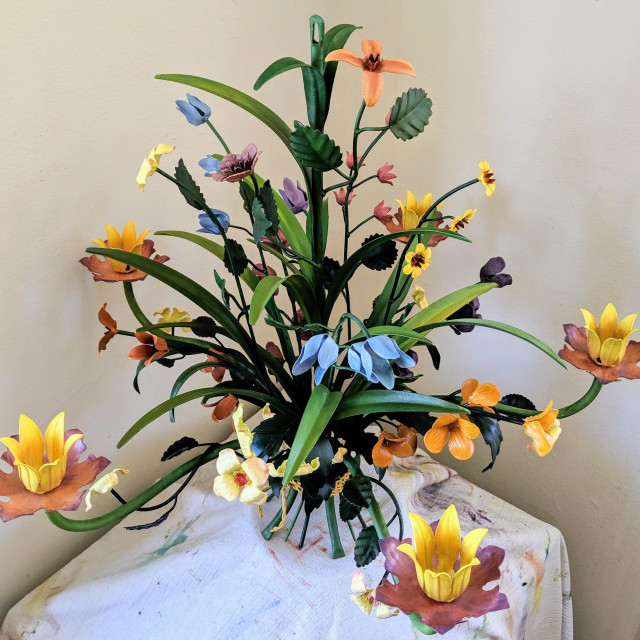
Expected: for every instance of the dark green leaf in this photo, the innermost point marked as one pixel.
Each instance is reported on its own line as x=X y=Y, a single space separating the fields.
x=139 y=368
x=246 y=193
x=276 y=68
x=410 y=114
x=329 y=269
x=491 y=433
x=315 y=149
x=268 y=202
x=435 y=355
x=358 y=491
x=348 y=510
x=367 y=547
x=204 y=327
x=260 y=222
x=234 y=257
x=188 y=187
x=316 y=96
x=518 y=401
x=223 y=289
x=178 y=447
x=269 y=435
x=382 y=256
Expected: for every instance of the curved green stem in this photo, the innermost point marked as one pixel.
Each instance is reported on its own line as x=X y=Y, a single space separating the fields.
x=124 y=510
x=133 y=304
x=360 y=224
x=337 y=551
x=222 y=142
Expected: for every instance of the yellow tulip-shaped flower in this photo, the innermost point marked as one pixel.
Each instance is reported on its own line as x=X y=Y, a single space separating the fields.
x=419 y=297
x=417 y=261
x=436 y=574
x=607 y=342
x=29 y=450
x=413 y=210
x=151 y=162
x=128 y=241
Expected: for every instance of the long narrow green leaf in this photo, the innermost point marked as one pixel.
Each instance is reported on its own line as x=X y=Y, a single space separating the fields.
x=358 y=257
x=383 y=401
x=180 y=381
x=316 y=416
x=392 y=330
x=499 y=326
x=298 y=286
x=276 y=68
x=207 y=392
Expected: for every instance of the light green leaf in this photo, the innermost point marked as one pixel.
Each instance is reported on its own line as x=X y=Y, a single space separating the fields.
x=276 y=68
x=296 y=284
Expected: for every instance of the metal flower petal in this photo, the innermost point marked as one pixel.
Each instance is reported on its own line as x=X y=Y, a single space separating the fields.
x=195 y=111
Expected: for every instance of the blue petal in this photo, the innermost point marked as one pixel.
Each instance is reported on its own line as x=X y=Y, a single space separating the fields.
x=384 y=346
x=208 y=226
x=328 y=353
x=405 y=360
x=190 y=113
x=319 y=374
x=210 y=164
x=308 y=354
x=354 y=360
x=203 y=108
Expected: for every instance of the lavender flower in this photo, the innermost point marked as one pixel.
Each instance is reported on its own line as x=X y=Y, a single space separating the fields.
x=491 y=272
x=195 y=111
x=236 y=166
x=294 y=196
x=371 y=359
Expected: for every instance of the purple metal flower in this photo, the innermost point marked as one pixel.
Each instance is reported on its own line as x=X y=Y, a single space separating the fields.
x=195 y=111
x=294 y=196
x=236 y=166
x=491 y=272
x=403 y=372
x=469 y=310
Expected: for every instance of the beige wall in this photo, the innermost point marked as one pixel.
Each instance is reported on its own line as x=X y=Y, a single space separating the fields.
x=547 y=91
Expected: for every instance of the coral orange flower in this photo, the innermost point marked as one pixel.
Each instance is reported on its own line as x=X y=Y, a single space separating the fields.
x=485 y=395
x=152 y=348
x=218 y=370
x=109 y=324
x=456 y=430
x=402 y=446
x=46 y=473
x=373 y=65
x=603 y=350
x=544 y=429
x=487 y=178
x=440 y=577
x=222 y=408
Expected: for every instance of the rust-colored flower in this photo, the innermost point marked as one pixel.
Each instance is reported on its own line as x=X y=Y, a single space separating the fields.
x=603 y=350
x=152 y=348
x=46 y=472
x=402 y=446
x=275 y=351
x=373 y=65
x=485 y=395
x=543 y=429
x=236 y=166
x=301 y=321
x=218 y=370
x=109 y=324
x=222 y=408
x=457 y=431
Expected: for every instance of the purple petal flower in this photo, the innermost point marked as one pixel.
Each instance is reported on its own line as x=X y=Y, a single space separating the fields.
x=491 y=272
x=294 y=196
x=236 y=166
x=371 y=359
x=195 y=111
x=210 y=165
x=469 y=310
x=404 y=372
x=207 y=225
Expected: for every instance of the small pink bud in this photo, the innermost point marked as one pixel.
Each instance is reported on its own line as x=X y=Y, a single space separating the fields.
x=350 y=160
x=384 y=174
x=341 y=196
x=382 y=213
x=388 y=117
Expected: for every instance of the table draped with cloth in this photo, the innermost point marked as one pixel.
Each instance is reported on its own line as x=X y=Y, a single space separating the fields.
x=207 y=572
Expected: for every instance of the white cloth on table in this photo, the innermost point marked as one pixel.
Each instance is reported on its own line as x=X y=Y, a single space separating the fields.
x=208 y=573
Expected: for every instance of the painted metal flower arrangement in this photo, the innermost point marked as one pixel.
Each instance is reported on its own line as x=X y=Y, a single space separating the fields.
x=334 y=383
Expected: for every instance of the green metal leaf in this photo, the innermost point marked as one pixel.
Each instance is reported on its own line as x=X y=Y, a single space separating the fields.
x=383 y=401
x=296 y=284
x=315 y=95
x=381 y=257
x=276 y=68
x=348 y=510
x=367 y=547
x=260 y=221
x=317 y=414
x=235 y=259
x=315 y=149
x=188 y=187
x=358 y=490
x=268 y=202
x=410 y=114
x=334 y=38
x=492 y=434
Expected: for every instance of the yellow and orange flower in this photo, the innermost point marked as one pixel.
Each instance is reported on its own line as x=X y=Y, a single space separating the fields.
x=402 y=446
x=460 y=221
x=408 y=215
x=373 y=65
x=417 y=261
x=543 y=429
x=485 y=395
x=487 y=178
x=109 y=324
x=457 y=431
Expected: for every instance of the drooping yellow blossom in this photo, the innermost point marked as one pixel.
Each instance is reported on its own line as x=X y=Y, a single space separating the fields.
x=173 y=315
x=419 y=297
x=417 y=261
x=304 y=469
x=339 y=455
x=128 y=241
x=30 y=448
x=460 y=221
x=434 y=556
x=365 y=598
x=544 y=429
x=486 y=178
x=239 y=479
x=607 y=342
x=243 y=431
x=151 y=162
x=104 y=485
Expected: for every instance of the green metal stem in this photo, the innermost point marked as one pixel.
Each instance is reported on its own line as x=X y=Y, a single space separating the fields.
x=337 y=550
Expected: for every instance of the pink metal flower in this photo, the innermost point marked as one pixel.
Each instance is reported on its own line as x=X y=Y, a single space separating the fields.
x=341 y=196
x=384 y=174
x=382 y=213
x=349 y=161
x=236 y=166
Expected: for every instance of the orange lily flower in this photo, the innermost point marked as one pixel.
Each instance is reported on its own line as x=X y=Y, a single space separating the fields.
x=484 y=395
x=457 y=430
x=152 y=348
x=222 y=408
x=373 y=65
x=109 y=324
x=402 y=446
x=544 y=429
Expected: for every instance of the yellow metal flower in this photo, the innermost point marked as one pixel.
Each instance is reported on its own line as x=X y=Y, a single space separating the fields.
x=151 y=162
x=104 y=485
x=544 y=429
x=29 y=452
x=607 y=342
x=486 y=178
x=459 y=222
x=304 y=469
x=436 y=555
x=417 y=261
x=128 y=241
x=173 y=315
x=419 y=297
x=239 y=479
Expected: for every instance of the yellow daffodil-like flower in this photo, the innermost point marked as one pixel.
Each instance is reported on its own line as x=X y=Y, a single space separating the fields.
x=607 y=342
x=104 y=485
x=459 y=222
x=486 y=178
x=128 y=241
x=173 y=315
x=413 y=210
x=239 y=479
x=544 y=429
x=36 y=475
x=304 y=469
x=365 y=598
x=436 y=555
x=419 y=297
x=151 y=162
x=417 y=261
